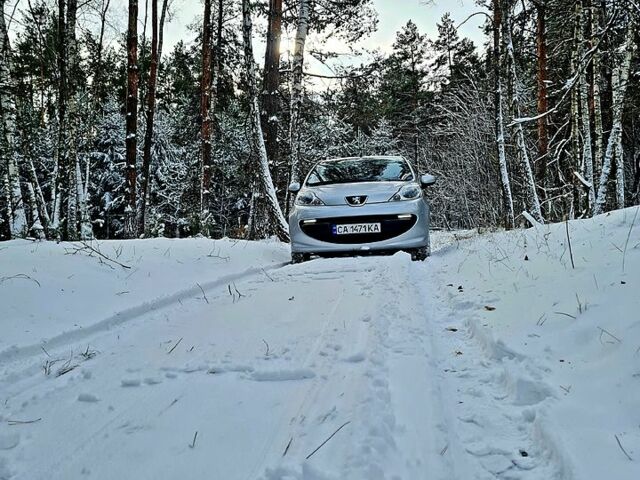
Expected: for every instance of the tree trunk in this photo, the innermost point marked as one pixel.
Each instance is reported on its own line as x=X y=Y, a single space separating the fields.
x=499 y=118
x=131 y=120
x=151 y=107
x=297 y=88
x=97 y=81
x=276 y=220
x=271 y=81
x=532 y=195
x=205 y=106
x=13 y=217
x=587 y=155
x=219 y=55
x=620 y=79
x=73 y=161
x=163 y=16
x=597 y=101
x=543 y=98
x=62 y=168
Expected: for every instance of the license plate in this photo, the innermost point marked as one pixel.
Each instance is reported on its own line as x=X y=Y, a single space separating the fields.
x=356 y=228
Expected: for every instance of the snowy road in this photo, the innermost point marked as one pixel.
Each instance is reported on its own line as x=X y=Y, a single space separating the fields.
x=277 y=365
x=377 y=356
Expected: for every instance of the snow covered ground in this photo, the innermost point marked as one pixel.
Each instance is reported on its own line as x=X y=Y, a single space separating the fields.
x=496 y=358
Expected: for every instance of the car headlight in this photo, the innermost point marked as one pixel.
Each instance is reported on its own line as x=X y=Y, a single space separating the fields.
x=407 y=192
x=307 y=197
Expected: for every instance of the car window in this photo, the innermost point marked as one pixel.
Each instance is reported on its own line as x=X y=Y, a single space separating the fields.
x=352 y=170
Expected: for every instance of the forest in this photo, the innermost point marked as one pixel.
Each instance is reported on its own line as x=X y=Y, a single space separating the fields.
x=107 y=134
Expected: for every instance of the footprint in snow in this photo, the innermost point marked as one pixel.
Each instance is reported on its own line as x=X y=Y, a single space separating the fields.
x=87 y=397
x=130 y=382
x=9 y=440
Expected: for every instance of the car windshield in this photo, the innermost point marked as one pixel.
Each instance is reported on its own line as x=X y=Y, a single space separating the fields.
x=353 y=170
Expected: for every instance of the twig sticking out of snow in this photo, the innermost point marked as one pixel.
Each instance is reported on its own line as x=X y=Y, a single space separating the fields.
x=266 y=354
x=622 y=448
x=330 y=437
x=23 y=422
x=236 y=295
x=603 y=331
x=90 y=250
x=566 y=224
x=27 y=277
x=203 y=294
x=286 y=449
x=175 y=346
x=193 y=444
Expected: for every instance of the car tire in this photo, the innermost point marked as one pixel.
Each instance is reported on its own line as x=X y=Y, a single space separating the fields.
x=420 y=254
x=299 y=257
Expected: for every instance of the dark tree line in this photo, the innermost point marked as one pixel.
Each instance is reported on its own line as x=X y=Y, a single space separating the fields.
x=105 y=135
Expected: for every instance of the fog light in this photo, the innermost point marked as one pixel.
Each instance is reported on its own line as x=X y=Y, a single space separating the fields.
x=309 y=222
x=405 y=216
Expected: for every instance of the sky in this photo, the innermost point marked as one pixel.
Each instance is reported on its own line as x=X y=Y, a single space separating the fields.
x=392 y=14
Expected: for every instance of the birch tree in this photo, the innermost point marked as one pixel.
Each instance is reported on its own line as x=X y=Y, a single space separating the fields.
x=13 y=217
x=499 y=116
x=587 y=155
x=532 y=195
x=614 y=150
x=596 y=90
x=297 y=64
x=276 y=220
x=542 y=94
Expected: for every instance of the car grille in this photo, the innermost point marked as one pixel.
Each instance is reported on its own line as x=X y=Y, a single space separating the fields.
x=390 y=226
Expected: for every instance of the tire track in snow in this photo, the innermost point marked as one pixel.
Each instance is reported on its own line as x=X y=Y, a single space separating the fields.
x=327 y=400
x=497 y=423
x=127 y=315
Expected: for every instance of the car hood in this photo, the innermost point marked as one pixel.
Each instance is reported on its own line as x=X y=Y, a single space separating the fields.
x=376 y=192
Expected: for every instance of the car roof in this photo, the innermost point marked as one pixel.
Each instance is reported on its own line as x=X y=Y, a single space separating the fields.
x=365 y=157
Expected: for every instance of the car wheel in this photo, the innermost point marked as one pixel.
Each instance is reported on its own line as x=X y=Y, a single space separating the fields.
x=300 y=257
x=420 y=254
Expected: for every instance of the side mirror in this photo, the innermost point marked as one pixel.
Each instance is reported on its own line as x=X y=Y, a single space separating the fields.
x=294 y=187
x=426 y=180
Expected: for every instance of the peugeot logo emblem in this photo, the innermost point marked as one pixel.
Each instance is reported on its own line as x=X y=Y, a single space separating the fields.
x=356 y=200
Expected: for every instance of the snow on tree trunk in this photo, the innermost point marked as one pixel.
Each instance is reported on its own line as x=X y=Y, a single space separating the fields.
x=131 y=120
x=82 y=195
x=532 y=195
x=597 y=101
x=40 y=202
x=14 y=214
x=148 y=134
x=499 y=117
x=271 y=81
x=542 y=94
x=297 y=88
x=619 y=82
x=205 y=107
x=618 y=155
x=35 y=229
x=276 y=219
x=587 y=155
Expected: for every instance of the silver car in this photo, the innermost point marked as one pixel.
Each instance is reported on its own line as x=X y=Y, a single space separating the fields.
x=360 y=205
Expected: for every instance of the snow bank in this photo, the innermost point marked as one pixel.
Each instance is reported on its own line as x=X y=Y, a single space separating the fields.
x=52 y=291
x=555 y=311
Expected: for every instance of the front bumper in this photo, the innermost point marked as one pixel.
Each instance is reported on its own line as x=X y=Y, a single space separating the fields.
x=411 y=231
